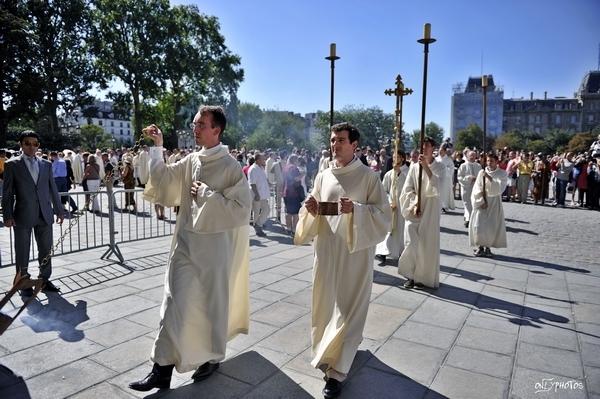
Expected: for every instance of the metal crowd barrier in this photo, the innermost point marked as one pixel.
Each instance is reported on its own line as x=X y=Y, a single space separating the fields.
x=111 y=225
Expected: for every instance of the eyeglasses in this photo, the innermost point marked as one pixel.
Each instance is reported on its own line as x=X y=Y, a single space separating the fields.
x=29 y=144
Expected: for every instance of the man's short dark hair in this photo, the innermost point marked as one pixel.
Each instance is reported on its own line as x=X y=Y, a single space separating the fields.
x=28 y=133
x=218 y=115
x=353 y=133
x=430 y=140
x=493 y=155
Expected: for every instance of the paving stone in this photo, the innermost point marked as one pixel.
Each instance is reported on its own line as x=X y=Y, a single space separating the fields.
x=108 y=294
x=457 y=383
x=590 y=354
x=400 y=298
x=291 y=339
x=267 y=277
x=563 y=337
x=287 y=384
x=109 y=311
x=279 y=314
x=156 y=294
x=302 y=298
x=494 y=322
x=267 y=295
x=13 y=339
x=47 y=356
x=149 y=317
x=116 y=332
x=592 y=378
x=383 y=320
x=488 y=340
x=103 y=391
x=256 y=333
x=415 y=361
x=441 y=314
x=528 y=383
x=482 y=362
x=551 y=360
x=302 y=364
x=249 y=367
x=589 y=332
x=548 y=314
x=370 y=382
x=585 y=293
x=68 y=379
x=127 y=355
x=587 y=313
x=426 y=334
x=288 y=286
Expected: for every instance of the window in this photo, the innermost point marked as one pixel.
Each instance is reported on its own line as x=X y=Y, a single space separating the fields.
x=538 y=119
x=128 y=124
x=128 y=133
x=557 y=119
x=590 y=118
x=573 y=119
x=100 y=123
x=120 y=124
x=112 y=123
x=121 y=132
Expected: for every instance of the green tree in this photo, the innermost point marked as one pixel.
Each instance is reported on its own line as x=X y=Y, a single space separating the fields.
x=432 y=130
x=249 y=117
x=129 y=40
x=557 y=140
x=60 y=31
x=581 y=142
x=471 y=137
x=93 y=137
x=19 y=91
x=278 y=130
x=375 y=126
x=512 y=140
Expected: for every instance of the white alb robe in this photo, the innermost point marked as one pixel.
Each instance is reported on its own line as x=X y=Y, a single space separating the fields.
x=467 y=172
x=487 y=227
x=343 y=266
x=77 y=166
x=144 y=170
x=206 y=299
x=420 y=260
x=445 y=184
x=393 y=244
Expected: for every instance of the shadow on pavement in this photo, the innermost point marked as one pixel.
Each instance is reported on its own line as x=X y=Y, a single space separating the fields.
x=57 y=314
x=248 y=375
x=11 y=385
x=378 y=380
x=516 y=230
x=453 y=231
x=455 y=271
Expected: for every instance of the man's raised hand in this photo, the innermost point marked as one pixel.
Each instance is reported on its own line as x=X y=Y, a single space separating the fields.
x=154 y=134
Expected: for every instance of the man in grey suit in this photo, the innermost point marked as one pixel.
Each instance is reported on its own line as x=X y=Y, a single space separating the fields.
x=29 y=201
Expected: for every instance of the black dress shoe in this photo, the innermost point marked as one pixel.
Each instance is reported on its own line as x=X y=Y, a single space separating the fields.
x=381 y=258
x=332 y=389
x=205 y=371
x=159 y=377
x=50 y=287
x=26 y=293
x=408 y=284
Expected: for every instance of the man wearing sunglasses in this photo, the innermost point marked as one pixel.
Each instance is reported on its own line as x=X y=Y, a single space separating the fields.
x=30 y=199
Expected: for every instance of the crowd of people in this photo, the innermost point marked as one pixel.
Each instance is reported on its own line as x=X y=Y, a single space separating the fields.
x=353 y=204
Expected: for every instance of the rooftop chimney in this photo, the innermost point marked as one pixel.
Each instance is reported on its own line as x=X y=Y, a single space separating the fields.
x=531 y=95
x=545 y=95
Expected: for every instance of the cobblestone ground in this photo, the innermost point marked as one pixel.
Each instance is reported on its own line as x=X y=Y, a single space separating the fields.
x=524 y=324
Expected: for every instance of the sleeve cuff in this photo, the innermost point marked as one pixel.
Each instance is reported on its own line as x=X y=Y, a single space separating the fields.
x=156 y=152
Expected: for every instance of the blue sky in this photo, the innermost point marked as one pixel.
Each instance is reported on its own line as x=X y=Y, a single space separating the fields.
x=527 y=45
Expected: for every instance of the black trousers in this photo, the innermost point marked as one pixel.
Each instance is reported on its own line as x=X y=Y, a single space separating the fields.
x=43 y=238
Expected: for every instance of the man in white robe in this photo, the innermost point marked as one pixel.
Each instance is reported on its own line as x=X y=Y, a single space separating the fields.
x=467 y=173
x=393 y=181
x=206 y=299
x=78 y=166
x=344 y=248
x=420 y=260
x=487 y=227
x=144 y=170
x=257 y=179
x=445 y=184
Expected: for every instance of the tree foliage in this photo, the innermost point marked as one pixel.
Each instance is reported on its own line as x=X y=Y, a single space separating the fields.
x=278 y=130
x=554 y=141
x=93 y=137
x=432 y=130
x=472 y=137
x=375 y=126
x=581 y=142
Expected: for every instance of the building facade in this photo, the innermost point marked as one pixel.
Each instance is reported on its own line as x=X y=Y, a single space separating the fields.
x=467 y=107
x=578 y=114
x=103 y=114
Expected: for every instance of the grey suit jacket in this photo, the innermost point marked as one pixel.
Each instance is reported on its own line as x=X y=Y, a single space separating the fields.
x=23 y=200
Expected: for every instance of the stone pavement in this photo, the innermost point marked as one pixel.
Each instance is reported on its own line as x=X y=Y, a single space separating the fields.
x=524 y=324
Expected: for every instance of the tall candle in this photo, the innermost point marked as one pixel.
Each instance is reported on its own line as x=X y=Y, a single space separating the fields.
x=332 y=50
x=427 y=31
x=484 y=81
